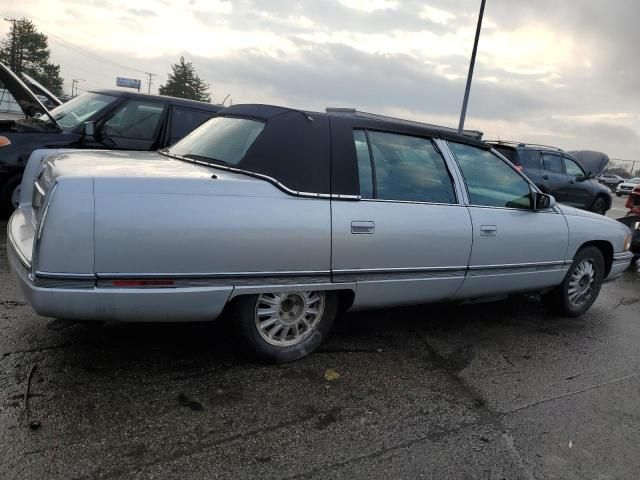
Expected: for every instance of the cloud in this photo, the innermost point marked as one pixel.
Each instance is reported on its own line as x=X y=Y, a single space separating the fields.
x=562 y=72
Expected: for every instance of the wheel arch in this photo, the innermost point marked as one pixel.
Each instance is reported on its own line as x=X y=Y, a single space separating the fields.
x=608 y=200
x=606 y=248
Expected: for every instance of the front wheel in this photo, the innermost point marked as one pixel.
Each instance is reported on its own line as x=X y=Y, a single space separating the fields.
x=599 y=206
x=285 y=326
x=580 y=287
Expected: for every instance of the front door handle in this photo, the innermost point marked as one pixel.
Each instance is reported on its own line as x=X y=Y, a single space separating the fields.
x=488 y=230
x=360 y=227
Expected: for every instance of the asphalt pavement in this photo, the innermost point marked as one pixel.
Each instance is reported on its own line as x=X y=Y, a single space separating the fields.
x=500 y=390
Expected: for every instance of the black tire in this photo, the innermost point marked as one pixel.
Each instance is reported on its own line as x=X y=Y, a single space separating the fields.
x=599 y=205
x=558 y=300
x=249 y=333
x=6 y=191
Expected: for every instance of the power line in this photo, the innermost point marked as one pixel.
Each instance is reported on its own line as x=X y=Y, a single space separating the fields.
x=90 y=54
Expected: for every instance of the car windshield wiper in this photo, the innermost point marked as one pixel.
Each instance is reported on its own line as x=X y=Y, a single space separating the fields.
x=202 y=158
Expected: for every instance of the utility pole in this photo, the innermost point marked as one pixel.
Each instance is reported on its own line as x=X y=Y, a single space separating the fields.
x=14 y=50
x=150 y=81
x=465 y=102
x=74 y=86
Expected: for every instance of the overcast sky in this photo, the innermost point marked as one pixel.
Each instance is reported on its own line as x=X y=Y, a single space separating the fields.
x=565 y=73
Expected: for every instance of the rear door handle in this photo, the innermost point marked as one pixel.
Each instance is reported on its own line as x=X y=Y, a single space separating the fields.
x=362 y=227
x=488 y=230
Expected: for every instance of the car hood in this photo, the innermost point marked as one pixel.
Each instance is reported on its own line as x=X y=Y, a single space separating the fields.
x=592 y=161
x=576 y=212
x=29 y=103
x=39 y=89
x=628 y=184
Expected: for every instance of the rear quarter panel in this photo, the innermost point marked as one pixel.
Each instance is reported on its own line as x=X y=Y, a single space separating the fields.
x=206 y=232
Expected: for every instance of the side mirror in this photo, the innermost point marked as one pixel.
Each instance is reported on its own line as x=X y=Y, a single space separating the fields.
x=581 y=178
x=590 y=175
x=543 y=201
x=88 y=129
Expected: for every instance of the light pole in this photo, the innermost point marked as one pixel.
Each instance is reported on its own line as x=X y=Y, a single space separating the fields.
x=463 y=113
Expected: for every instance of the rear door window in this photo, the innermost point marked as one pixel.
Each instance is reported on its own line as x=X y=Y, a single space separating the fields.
x=404 y=168
x=184 y=121
x=552 y=163
x=222 y=140
x=510 y=153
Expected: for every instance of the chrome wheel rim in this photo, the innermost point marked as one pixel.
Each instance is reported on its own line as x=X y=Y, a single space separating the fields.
x=287 y=318
x=15 y=197
x=581 y=283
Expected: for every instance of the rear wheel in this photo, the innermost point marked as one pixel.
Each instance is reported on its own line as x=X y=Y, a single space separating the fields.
x=599 y=206
x=10 y=196
x=581 y=286
x=285 y=326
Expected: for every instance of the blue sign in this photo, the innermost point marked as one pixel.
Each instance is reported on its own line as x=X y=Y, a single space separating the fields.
x=128 y=82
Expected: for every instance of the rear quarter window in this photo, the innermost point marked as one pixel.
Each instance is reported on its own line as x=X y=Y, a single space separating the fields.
x=510 y=153
x=530 y=159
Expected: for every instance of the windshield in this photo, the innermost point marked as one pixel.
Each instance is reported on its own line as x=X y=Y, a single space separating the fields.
x=71 y=114
x=220 y=140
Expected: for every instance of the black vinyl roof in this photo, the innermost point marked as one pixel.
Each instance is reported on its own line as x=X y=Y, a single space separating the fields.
x=182 y=102
x=265 y=112
x=314 y=152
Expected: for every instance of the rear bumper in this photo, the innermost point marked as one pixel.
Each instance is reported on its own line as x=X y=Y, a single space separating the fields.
x=120 y=304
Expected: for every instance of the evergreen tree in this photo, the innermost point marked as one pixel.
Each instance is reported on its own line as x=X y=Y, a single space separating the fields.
x=184 y=82
x=27 y=50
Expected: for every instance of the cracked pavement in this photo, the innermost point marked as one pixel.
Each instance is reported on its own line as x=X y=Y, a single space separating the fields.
x=497 y=390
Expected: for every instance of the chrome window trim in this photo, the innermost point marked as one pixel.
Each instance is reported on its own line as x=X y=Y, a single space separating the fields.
x=410 y=202
x=548 y=210
x=262 y=176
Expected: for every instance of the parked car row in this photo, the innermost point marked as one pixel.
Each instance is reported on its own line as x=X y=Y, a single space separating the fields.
x=627 y=186
x=610 y=180
x=100 y=119
x=285 y=216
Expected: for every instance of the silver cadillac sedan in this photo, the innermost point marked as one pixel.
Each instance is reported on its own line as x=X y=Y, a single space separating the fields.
x=287 y=216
